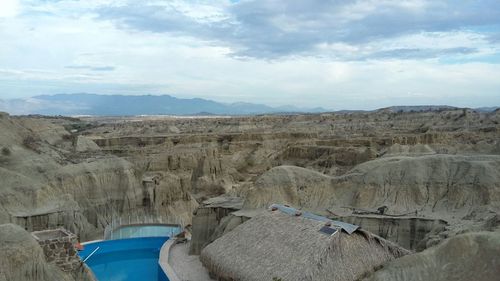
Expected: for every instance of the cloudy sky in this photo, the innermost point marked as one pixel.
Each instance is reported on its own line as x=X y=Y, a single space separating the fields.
x=336 y=54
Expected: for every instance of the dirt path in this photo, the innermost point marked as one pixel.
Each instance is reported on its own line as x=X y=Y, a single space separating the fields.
x=188 y=268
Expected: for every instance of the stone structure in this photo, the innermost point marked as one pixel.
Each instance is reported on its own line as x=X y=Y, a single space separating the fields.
x=149 y=184
x=59 y=248
x=207 y=218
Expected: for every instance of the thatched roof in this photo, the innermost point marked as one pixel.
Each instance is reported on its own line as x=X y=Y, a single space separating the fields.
x=226 y=202
x=276 y=244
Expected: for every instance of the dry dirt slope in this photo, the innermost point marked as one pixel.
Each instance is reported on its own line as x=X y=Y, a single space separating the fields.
x=454 y=184
x=22 y=259
x=47 y=182
x=473 y=256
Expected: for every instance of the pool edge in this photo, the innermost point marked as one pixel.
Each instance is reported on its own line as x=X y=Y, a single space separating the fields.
x=163 y=260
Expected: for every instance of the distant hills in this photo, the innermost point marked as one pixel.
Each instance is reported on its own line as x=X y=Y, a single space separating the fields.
x=420 y=108
x=124 y=105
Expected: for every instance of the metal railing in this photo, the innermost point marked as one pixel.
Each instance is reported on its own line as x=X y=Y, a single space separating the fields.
x=91 y=254
x=136 y=219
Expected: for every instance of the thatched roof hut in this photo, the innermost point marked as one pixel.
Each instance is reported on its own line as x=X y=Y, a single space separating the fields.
x=289 y=247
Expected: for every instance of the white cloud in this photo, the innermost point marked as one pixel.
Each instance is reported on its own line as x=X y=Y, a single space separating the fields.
x=55 y=47
x=9 y=8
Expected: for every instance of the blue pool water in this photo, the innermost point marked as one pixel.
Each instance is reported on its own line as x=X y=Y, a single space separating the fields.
x=135 y=231
x=132 y=259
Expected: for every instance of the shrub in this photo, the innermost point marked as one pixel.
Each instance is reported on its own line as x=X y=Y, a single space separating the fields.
x=30 y=142
x=6 y=151
x=67 y=137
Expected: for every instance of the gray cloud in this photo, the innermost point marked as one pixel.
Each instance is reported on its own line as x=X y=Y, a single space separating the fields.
x=494 y=37
x=420 y=53
x=92 y=68
x=272 y=29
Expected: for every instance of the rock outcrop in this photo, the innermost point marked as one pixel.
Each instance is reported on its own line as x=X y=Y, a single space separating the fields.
x=454 y=184
x=50 y=180
x=83 y=174
x=22 y=259
x=465 y=257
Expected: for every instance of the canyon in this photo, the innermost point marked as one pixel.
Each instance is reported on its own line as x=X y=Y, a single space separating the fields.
x=417 y=179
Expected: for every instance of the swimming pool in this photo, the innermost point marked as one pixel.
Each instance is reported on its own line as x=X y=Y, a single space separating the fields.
x=142 y=230
x=131 y=259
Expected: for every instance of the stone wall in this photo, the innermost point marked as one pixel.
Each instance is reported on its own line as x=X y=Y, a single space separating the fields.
x=59 y=248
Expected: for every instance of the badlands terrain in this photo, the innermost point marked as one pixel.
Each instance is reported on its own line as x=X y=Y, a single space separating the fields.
x=428 y=181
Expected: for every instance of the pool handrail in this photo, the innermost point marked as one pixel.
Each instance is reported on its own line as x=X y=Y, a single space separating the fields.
x=91 y=254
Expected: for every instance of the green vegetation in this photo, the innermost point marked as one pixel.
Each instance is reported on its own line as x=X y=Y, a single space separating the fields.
x=79 y=126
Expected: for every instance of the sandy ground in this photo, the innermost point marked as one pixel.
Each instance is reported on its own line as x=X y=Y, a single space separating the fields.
x=188 y=268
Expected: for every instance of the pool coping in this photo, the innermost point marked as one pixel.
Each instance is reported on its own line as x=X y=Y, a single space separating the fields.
x=146 y=224
x=164 y=258
x=91 y=241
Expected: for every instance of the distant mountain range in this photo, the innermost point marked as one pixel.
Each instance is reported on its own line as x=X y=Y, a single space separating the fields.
x=122 y=105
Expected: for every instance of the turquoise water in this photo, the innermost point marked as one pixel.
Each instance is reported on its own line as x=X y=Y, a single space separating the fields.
x=133 y=259
x=136 y=231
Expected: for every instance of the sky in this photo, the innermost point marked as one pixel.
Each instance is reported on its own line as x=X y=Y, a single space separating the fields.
x=338 y=54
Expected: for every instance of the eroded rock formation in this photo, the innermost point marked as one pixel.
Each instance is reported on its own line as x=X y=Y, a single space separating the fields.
x=472 y=256
x=82 y=174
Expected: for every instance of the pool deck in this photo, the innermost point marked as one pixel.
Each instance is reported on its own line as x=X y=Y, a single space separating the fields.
x=180 y=266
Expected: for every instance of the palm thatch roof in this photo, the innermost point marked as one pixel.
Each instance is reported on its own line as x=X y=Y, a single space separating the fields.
x=289 y=247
